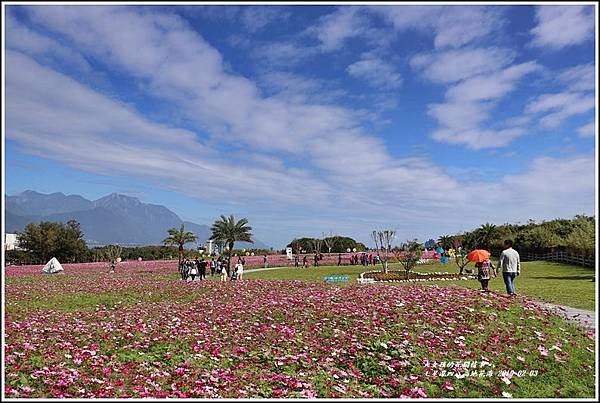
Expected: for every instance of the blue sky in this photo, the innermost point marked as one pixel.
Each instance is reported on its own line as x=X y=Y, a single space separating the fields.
x=309 y=119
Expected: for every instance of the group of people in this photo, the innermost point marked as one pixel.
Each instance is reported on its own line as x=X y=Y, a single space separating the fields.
x=362 y=259
x=509 y=263
x=316 y=259
x=192 y=268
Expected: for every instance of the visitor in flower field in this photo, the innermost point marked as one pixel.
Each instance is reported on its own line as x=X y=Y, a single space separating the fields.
x=193 y=269
x=305 y=262
x=485 y=271
x=213 y=267
x=223 y=272
x=296 y=261
x=370 y=259
x=266 y=264
x=205 y=269
x=510 y=262
x=240 y=271
x=316 y=260
x=339 y=259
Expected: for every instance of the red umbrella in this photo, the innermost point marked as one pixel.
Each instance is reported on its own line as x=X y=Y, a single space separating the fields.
x=478 y=255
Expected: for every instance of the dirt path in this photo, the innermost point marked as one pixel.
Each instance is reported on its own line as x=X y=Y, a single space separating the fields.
x=579 y=316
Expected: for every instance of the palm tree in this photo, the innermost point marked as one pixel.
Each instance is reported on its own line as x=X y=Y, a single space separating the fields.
x=487 y=233
x=445 y=241
x=228 y=230
x=179 y=237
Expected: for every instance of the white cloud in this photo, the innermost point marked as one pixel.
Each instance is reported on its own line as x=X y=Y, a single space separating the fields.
x=284 y=54
x=489 y=87
x=469 y=104
x=455 y=65
x=560 y=106
x=86 y=130
x=535 y=192
x=562 y=26
x=452 y=26
x=335 y=28
x=20 y=37
x=376 y=72
x=256 y=18
x=588 y=130
x=579 y=78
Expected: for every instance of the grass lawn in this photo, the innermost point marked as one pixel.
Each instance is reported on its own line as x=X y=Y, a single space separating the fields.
x=545 y=281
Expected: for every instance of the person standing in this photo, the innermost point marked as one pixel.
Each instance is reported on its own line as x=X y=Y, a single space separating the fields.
x=193 y=269
x=223 y=272
x=305 y=262
x=316 y=259
x=485 y=271
x=266 y=264
x=205 y=269
x=296 y=261
x=510 y=263
x=339 y=259
x=240 y=271
x=213 y=267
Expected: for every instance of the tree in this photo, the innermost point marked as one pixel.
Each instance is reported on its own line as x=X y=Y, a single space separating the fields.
x=460 y=256
x=383 y=243
x=54 y=239
x=112 y=256
x=445 y=241
x=226 y=229
x=329 y=241
x=409 y=255
x=486 y=234
x=179 y=237
x=316 y=245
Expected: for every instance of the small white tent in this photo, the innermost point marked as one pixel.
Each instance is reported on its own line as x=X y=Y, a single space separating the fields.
x=52 y=267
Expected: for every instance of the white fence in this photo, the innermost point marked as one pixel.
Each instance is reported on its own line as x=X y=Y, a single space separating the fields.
x=563 y=257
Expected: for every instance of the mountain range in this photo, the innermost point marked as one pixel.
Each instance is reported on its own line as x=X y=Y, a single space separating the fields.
x=113 y=219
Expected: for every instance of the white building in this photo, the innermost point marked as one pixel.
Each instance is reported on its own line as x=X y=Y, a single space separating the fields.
x=209 y=247
x=11 y=242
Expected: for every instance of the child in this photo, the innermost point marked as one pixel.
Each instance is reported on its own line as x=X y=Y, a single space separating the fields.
x=485 y=271
x=223 y=272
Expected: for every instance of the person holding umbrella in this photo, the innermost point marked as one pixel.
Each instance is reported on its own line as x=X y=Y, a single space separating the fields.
x=485 y=268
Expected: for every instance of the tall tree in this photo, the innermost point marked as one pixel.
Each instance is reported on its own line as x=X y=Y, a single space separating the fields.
x=53 y=239
x=179 y=237
x=445 y=241
x=383 y=243
x=228 y=230
x=487 y=233
x=329 y=241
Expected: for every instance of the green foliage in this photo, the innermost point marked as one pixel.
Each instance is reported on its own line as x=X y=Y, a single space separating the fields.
x=446 y=241
x=339 y=244
x=54 y=239
x=409 y=254
x=179 y=237
x=227 y=230
x=575 y=235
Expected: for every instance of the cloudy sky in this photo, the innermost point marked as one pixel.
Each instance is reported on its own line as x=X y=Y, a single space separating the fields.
x=308 y=119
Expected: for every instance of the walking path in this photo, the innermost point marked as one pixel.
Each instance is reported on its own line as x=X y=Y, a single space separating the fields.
x=579 y=316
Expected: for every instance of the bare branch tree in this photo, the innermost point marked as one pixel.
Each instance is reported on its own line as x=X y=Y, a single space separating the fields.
x=316 y=244
x=112 y=255
x=329 y=241
x=383 y=243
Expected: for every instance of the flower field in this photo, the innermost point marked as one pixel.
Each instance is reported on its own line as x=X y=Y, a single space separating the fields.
x=140 y=332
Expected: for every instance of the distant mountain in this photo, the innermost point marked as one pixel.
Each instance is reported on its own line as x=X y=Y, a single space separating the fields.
x=113 y=219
